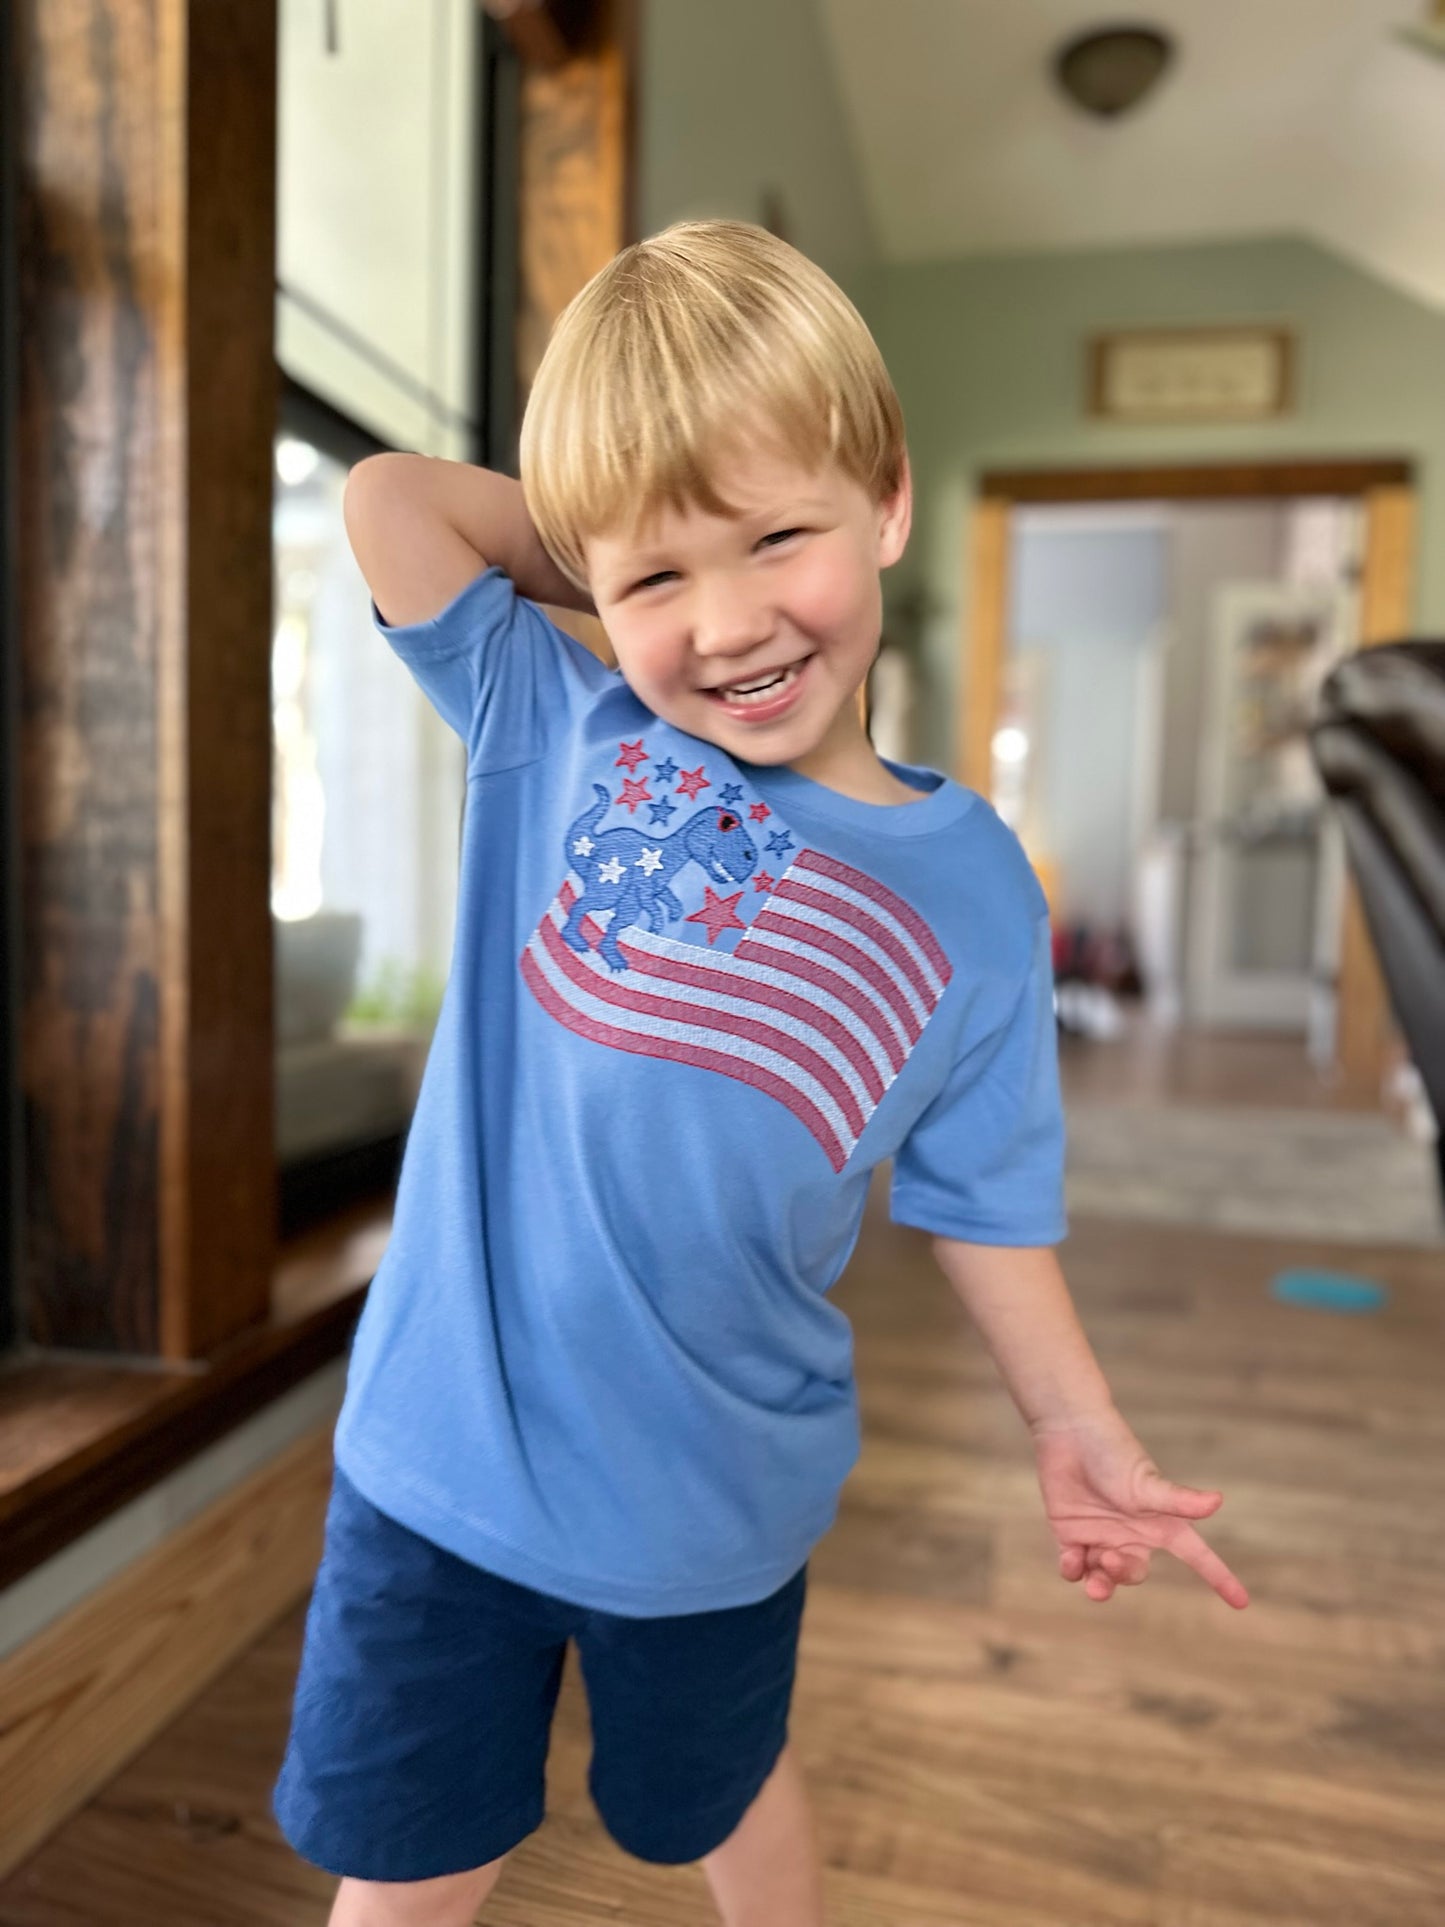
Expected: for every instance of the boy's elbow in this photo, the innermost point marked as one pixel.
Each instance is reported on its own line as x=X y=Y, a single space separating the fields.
x=360 y=485
x=381 y=497
x=373 y=477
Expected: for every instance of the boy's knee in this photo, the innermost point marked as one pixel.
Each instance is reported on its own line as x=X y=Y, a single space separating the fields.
x=451 y=1901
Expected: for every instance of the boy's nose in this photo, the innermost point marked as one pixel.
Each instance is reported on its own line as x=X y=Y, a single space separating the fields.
x=730 y=622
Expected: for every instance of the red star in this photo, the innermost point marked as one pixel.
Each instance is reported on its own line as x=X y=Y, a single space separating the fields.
x=693 y=780
x=718 y=913
x=634 y=791
x=762 y=881
x=758 y=811
x=632 y=755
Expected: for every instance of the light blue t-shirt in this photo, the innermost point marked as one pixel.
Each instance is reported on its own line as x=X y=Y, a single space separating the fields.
x=692 y=1003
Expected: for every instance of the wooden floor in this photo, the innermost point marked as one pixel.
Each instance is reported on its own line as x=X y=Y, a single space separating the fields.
x=986 y=1747
x=1153 y=1063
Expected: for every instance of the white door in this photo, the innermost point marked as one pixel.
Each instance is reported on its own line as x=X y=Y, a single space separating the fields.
x=1266 y=872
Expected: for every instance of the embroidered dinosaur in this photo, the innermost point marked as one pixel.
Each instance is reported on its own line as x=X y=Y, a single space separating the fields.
x=630 y=874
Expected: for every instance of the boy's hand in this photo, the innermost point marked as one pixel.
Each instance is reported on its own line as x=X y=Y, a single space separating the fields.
x=1110 y=1506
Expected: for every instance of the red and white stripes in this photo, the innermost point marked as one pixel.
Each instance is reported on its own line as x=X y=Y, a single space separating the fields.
x=819 y=1005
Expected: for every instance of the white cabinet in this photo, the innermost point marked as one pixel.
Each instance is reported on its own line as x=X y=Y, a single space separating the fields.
x=379 y=169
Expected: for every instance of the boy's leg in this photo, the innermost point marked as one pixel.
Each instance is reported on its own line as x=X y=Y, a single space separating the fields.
x=451 y=1901
x=768 y=1873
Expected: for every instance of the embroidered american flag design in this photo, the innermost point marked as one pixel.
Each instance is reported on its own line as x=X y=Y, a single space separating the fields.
x=818 y=1002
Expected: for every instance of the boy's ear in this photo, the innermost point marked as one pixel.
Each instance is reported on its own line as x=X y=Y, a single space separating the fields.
x=895 y=518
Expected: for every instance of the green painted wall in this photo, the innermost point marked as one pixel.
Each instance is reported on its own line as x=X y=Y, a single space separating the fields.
x=739 y=99
x=987 y=355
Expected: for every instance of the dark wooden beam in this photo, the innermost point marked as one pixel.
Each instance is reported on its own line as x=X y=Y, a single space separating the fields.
x=10 y=1115
x=145 y=191
x=576 y=190
x=576 y=175
x=546 y=33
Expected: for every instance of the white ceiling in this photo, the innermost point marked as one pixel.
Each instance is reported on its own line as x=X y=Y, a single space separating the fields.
x=1276 y=117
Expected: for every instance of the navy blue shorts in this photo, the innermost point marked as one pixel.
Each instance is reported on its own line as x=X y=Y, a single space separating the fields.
x=424 y=1705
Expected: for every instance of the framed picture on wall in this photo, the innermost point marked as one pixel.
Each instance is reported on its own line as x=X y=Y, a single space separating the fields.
x=1191 y=374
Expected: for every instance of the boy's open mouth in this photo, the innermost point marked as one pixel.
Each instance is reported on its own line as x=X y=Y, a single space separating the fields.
x=759 y=690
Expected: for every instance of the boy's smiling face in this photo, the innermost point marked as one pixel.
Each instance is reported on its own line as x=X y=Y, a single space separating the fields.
x=696 y=604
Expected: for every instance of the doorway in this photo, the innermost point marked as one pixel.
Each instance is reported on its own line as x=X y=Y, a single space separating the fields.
x=1167 y=628
x=1161 y=660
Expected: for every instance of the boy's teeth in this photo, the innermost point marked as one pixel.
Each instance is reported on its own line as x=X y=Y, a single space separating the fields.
x=742 y=690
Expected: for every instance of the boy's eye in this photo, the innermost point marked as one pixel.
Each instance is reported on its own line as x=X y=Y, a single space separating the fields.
x=670 y=575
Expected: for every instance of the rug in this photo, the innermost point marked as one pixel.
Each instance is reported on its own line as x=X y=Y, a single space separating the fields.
x=1342 y=1176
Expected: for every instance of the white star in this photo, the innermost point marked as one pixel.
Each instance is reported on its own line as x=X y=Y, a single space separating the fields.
x=583 y=846
x=612 y=870
x=649 y=861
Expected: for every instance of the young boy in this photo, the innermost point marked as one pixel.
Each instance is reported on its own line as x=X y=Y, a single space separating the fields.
x=715 y=959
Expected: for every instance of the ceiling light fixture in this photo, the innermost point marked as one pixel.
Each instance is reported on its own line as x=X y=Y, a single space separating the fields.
x=1110 y=69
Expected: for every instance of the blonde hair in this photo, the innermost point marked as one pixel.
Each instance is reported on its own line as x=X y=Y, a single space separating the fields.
x=682 y=348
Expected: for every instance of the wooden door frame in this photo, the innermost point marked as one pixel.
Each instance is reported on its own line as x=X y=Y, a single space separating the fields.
x=1386 y=489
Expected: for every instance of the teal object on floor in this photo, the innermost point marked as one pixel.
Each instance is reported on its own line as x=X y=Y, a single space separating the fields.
x=1328 y=1291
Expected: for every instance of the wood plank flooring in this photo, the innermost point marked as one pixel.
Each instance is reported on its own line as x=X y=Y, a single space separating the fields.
x=1152 y=1062
x=987 y=1747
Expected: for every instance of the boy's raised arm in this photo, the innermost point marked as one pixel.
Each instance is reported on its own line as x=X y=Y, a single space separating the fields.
x=422 y=528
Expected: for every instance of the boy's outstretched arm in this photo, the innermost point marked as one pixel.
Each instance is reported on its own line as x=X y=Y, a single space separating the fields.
x=1107 y=1502
x=422 y=528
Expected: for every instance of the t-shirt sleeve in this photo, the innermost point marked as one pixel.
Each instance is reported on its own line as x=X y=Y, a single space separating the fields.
x=499 y=671
x=985 y=1161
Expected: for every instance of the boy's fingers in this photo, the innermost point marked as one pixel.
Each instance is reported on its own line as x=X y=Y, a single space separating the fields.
x=1189 y=1547
x=1186 y=1501
x=1125 y=1568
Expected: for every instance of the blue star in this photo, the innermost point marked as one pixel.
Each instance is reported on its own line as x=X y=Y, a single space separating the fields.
x=731 y=792
x=659 y=811
x=779 y=841
x=665 y=770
